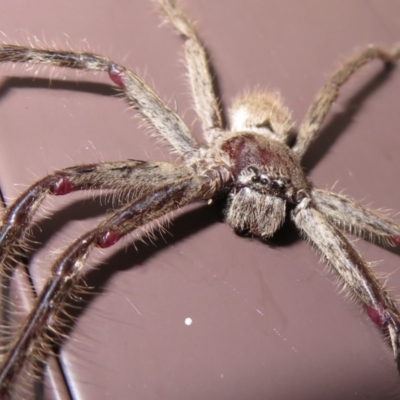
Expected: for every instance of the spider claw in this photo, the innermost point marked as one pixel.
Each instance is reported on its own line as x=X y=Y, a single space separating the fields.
x=115 y=74
x=378 y=315
x=396 y=240
x=108 y=239
x=61 y=186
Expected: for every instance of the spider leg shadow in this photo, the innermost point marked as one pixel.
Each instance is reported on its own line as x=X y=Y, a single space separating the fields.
x=10 y=83
x=338 y=122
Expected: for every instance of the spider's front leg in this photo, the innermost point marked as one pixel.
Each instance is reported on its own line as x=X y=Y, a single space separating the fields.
x=128 y=180
x=352 y=269
x=130 y=177
x=36 y=337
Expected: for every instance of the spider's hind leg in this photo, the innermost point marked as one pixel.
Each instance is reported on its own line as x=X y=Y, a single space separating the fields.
x=327 y=95
x=199 y=72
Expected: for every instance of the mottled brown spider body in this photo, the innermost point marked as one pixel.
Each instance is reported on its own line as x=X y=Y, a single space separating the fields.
x=252 y=161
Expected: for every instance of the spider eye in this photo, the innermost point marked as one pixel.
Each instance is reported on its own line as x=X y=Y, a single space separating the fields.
x=264 y=181
x=255 y=178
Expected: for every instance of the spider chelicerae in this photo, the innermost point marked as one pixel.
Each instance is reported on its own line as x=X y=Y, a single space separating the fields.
x=214 y=173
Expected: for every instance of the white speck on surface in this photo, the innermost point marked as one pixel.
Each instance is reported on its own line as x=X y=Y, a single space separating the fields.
x=188 y=321
x=284 y=339
x=276 y=331
x=133 y=305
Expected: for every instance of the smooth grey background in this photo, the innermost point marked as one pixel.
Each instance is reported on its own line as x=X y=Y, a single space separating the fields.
x=268 y=321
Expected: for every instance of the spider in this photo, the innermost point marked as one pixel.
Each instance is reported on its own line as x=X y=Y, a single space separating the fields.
x=251 y=173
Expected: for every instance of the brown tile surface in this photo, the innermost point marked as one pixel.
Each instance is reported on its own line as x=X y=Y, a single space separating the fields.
x=268 y=322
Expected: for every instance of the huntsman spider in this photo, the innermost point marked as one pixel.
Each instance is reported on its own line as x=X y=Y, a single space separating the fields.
x=251 y=164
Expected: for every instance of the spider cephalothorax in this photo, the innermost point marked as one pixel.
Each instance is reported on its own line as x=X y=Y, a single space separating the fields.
x=253 y=164
x=267 y=176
